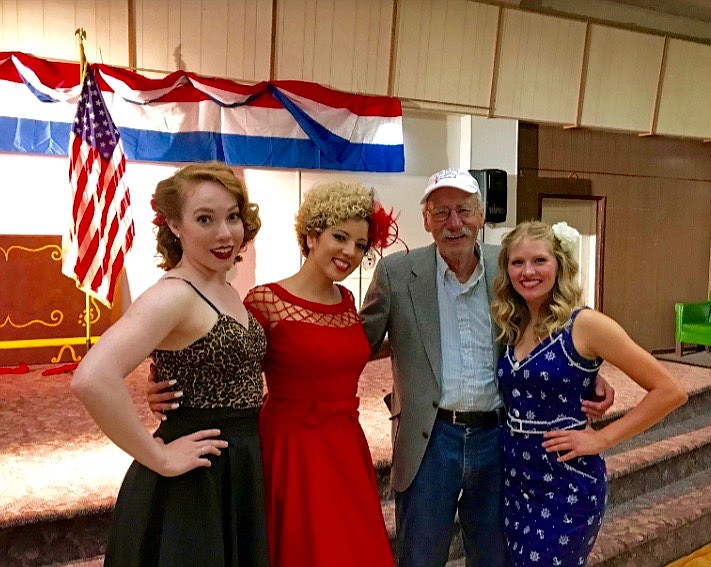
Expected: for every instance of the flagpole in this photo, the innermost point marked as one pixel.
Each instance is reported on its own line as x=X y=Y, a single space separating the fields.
x=102 y=231
x=80 y=33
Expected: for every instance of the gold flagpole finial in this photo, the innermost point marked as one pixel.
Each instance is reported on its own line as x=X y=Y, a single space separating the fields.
x=80 y=34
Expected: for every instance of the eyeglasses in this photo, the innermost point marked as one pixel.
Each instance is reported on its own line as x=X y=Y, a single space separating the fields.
x=441 y=214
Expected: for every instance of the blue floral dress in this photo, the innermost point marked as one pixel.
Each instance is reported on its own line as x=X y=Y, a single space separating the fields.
x=552 y=510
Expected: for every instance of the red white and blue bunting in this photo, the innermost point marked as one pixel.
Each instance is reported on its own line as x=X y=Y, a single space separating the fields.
x=184 y=117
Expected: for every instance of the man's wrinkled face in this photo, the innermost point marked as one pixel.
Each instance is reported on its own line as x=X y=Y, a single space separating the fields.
x=454 y=217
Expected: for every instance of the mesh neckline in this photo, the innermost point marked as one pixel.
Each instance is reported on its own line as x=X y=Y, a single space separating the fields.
x=286 y=295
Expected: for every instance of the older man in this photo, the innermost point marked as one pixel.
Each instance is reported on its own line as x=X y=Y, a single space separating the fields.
x=433 y=304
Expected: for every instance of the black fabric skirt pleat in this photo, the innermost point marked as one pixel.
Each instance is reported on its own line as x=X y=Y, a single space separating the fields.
x=211 y=516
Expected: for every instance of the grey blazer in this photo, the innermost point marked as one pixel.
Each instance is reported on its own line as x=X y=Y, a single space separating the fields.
x=402 y=302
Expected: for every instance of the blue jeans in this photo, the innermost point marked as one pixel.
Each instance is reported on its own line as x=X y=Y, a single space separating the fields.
x=461 y=471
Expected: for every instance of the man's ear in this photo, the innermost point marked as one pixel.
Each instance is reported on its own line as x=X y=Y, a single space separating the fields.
x=426 y=221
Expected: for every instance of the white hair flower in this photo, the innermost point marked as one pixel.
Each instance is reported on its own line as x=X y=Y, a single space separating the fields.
x=567 y=236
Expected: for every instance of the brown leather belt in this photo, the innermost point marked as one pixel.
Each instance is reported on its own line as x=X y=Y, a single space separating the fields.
x=471 y=418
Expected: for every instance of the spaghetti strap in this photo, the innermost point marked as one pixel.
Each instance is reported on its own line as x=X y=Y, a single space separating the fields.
x=210 y=303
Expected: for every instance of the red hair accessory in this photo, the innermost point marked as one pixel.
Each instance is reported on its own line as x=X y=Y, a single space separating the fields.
x=383 y=228
x=158 y=220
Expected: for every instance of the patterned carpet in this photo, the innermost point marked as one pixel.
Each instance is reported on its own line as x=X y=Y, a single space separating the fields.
x=53 y=459
x=55 y=463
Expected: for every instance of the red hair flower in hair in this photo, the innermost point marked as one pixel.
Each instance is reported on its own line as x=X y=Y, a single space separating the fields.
x=383 y=230
x=158 y=220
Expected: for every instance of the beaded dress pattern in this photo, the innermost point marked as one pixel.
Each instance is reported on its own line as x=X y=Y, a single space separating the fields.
x=552 y=510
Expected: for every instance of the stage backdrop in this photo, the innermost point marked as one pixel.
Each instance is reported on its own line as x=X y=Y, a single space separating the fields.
x=41 y=310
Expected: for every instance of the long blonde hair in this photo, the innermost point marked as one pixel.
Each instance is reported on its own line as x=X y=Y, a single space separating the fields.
x=509 y=309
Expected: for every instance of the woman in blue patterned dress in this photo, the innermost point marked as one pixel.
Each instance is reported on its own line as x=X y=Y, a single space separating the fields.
x=555 y=485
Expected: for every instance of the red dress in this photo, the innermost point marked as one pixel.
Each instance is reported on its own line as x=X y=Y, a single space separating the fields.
x=322 y=501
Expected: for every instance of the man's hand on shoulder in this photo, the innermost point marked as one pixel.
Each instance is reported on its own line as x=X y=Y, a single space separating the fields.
x=604 y=398
x=159 y=400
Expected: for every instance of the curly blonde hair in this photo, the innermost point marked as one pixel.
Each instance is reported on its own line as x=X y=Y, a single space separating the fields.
x=169 y=198
x=328 y=204
x=509 y=309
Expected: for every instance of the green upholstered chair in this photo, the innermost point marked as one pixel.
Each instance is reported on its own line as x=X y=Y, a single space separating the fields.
x=693 y=324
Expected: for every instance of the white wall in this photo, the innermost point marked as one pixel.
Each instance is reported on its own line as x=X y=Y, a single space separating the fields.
x=142 y=261
x=34 y=198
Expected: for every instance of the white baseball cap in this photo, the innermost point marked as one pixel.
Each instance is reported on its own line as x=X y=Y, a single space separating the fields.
x=450 y=177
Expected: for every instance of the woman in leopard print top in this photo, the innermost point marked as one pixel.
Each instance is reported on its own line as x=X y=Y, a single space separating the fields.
x=194 y=494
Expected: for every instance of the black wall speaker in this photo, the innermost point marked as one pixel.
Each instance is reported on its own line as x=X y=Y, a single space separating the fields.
x=492 y=184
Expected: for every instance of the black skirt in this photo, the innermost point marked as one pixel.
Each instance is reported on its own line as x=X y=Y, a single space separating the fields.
x=210 y=516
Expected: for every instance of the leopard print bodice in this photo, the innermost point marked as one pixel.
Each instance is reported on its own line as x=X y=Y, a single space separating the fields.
x=219 y=370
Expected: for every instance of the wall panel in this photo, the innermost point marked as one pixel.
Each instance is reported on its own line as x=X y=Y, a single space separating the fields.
x=45 y=28
x=445 y=51
x=249 y=32
x=157 y=32
x=57 y=19
x=443 y=54
x=622 y=77
x=112 y=39
x=343 y=44
x=193 y=20
x=214 y=35
x=323 y=44
x=685 y=106
x=30 y=27
x=223 y=38
x=8 y=26
x=586 y=150
x=539 y=69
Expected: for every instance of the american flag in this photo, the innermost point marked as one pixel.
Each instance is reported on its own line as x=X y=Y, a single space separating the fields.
x=102 y=230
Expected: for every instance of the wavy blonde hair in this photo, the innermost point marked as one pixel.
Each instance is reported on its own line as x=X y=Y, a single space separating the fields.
x=509 y=309
x=328 y=204
x=169 y=198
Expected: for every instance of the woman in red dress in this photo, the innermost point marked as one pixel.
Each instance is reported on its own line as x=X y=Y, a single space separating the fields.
x=323 y=506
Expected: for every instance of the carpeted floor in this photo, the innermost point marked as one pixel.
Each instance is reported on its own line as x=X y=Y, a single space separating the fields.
x=54 y=462
x=53 y=459
x=700 y=358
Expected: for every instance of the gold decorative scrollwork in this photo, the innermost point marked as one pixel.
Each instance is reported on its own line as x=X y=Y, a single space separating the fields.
x=56 y=254
x=94 y=313
x=73 y=354
x=55 y=316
